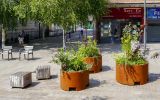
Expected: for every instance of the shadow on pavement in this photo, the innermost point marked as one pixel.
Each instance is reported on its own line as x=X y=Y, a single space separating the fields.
x=96 y=83
x=153 y=77
x=30 y=59
x=54 y=76
x=96 y=98
x=32 y=85
x=106 y=68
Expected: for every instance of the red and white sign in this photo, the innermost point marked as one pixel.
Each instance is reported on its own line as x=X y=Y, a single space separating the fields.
x=125 y=13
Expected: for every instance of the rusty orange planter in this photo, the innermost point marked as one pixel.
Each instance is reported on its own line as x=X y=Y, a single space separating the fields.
x=96 y=63
x=74 y=80
x=131 y=75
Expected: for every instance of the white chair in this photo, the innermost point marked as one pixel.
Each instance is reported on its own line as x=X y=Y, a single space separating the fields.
x=7 y=50
x=27 y=50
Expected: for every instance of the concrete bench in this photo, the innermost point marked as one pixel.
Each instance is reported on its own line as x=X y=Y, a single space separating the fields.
x=21 y=79
x=43 y=72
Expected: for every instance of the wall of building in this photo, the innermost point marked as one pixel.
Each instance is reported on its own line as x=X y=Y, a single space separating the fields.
x=153 y=28
x=31 y=28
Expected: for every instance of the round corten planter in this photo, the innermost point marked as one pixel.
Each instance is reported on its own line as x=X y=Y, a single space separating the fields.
x=96 y=63
x=74 y=80
x=132 y=75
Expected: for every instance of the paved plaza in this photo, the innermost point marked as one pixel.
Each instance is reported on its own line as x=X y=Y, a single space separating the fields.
x=103 y=85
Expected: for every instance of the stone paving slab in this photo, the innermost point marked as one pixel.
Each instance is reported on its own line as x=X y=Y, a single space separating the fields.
x=103 y=85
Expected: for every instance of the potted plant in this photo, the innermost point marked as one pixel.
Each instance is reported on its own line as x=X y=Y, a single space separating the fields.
x=74 y=74
x=91 y=55
x=131 y=64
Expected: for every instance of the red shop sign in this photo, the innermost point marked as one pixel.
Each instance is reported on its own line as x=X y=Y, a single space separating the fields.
x=125 y=13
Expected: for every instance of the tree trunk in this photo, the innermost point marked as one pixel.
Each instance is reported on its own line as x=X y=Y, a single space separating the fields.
x=3 y=36
x=43 y=33
x=39 y=29
x=75 y=28
x=86 y=35
x=98 y=33
x=94 y=30
x=64 y=45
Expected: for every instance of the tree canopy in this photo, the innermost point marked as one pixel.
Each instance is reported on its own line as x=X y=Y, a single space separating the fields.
x=7 y=14
x=62 y=12
x=65 y=13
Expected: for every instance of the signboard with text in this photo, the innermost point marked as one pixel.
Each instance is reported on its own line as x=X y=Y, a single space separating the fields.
x=153 y=13
x=125 y=13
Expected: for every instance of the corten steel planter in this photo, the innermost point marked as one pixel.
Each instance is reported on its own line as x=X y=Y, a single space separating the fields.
x=74 y=80
x=132 y=75
x=96 y=63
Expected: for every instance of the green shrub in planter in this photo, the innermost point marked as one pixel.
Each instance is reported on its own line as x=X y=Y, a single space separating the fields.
x=131 y=65
x=74 y=73
x=91 y=55
x=89 y=50
x=131 y=53
x=70 y=60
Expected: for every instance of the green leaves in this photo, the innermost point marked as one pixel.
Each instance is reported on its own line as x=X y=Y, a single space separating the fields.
x=7 y=14
x=130 y=46
x=70 y=60
x=89 y=50
x=136 y=60
x=62 y=12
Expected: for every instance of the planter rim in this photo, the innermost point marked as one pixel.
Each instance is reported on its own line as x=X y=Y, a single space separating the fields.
x=94 y=56
x=74 y=71
x=134 y=65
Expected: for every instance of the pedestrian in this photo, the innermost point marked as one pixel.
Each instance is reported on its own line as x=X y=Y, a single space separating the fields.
x=112 y=33
x=68 y=36
x=21 y=38
x=115 y=32
x=81 y=34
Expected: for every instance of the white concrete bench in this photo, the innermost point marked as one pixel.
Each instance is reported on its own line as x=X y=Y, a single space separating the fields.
x=21 y=79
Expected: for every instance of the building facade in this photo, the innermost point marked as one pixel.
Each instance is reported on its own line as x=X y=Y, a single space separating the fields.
x=124 y=11
x=31 y=29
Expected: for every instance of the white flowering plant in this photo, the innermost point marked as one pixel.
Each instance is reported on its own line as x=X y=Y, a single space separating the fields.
x=131 y=49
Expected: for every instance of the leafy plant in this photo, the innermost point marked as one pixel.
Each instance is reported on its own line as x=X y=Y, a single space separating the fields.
x=89 y=50
x=122 y=59
x=70 y=60
x=132 y=55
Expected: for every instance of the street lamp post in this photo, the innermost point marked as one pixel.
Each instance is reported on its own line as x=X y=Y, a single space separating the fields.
x=145 y=11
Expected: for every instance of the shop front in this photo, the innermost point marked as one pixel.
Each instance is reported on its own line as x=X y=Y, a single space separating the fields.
x=112 y=23
x=153 y=27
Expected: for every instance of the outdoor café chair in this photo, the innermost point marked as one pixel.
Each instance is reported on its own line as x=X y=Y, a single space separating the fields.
x=6 y=50
x=27 y=50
